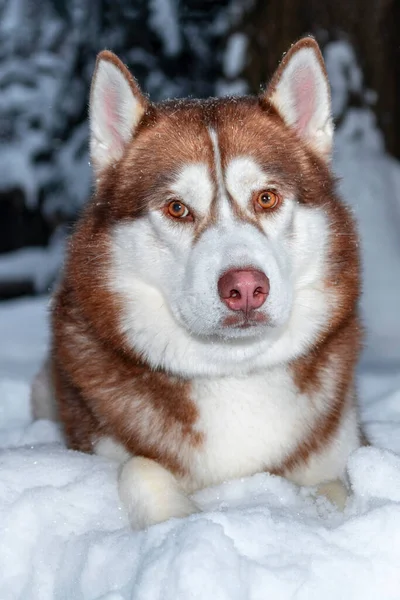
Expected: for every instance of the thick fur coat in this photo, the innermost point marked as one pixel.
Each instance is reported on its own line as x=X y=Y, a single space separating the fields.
x=206 y=325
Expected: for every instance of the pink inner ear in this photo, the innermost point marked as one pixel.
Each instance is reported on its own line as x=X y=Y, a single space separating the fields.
x=304 y=94
x=110 y=100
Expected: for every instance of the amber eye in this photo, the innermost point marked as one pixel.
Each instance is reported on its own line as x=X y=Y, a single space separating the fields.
x=267 y=199
x=177 y=210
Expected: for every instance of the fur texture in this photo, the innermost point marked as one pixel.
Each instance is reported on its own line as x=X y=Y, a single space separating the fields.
x=147 y=360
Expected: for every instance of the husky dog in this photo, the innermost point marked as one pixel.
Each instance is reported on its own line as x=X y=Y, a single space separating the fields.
x=206 y=327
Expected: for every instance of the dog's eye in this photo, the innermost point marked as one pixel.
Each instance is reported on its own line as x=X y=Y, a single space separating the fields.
x=266 y=200
x=177 y=210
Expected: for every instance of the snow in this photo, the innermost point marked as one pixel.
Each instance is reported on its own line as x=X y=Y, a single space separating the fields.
x=370 y=183
x=233 y=63
x=24 y=340
x=164 y=20
x=37 y=264
x=344 y=74
x=39 y=104
x=374 y=196
x=235 y=54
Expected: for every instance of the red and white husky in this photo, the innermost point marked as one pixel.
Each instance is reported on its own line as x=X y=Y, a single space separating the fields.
x=206 y=326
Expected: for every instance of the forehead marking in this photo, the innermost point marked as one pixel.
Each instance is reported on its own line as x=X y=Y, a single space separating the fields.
x=194 y=186
x=243 y=177
x=217 y=161
x=224 y=208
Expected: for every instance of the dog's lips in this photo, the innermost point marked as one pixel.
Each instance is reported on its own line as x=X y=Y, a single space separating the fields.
x=240 y=321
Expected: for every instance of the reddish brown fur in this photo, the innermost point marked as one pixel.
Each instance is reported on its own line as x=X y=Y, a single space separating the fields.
x=342 y=345
x=102 y=391
x=102 y=386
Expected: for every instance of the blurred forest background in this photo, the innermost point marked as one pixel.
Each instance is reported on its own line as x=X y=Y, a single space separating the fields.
x=174 y=48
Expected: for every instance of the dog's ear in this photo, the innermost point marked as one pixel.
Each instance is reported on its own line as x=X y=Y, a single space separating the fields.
x=300 y=92
x=116 y=107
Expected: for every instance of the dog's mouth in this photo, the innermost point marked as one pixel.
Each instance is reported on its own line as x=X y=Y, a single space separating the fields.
x=245 y=321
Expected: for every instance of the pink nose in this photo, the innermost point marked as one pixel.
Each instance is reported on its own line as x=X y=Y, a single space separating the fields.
x=243 y=289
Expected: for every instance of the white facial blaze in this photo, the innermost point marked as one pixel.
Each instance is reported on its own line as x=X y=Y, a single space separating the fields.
x=194 y=187
x=243 y=177
x=302 y=97
x=224 y=210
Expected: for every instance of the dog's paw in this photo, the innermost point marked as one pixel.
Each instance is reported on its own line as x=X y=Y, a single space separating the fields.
x=151 y=494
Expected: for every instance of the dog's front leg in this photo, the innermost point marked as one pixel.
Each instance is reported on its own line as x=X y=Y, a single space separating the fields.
x=151 y=494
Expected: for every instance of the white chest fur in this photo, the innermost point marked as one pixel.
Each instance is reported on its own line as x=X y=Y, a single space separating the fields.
x=249 y=424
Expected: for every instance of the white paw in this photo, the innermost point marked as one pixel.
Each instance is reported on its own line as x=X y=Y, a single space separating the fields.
x=151 y=494
x=335 y=491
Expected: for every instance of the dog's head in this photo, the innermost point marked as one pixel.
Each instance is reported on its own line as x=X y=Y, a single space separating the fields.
x=222 y=237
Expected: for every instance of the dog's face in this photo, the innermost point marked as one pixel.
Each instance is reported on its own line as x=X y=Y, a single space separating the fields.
x=226 y=236
x=221 y=216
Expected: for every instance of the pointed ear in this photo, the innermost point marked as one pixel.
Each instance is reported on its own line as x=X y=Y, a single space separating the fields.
x=300 y=92
x=116 y=107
